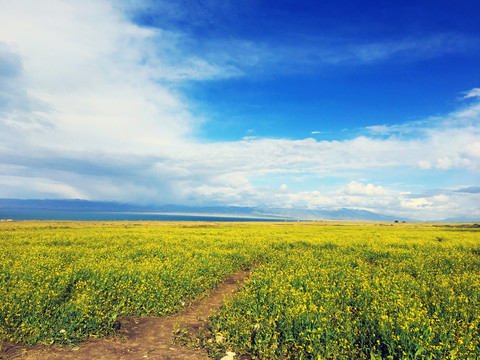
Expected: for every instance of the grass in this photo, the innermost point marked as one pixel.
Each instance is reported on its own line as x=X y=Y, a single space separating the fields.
x=317 y=290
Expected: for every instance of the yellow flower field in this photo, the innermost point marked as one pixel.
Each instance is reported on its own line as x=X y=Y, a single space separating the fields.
x=316 y=290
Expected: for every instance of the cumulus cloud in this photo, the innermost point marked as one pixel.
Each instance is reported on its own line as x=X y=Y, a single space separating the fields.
x=441 y=198
x=91 y=78
x=424 y=164
x=472 y=150
x=356 y=188
x=444 y=163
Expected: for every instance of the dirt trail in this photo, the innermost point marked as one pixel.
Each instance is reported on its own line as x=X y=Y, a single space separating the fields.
x=139 y=338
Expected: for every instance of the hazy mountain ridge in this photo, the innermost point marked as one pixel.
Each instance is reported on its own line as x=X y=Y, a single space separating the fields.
x=345 y=214
x=334 y=214
x=107 y=206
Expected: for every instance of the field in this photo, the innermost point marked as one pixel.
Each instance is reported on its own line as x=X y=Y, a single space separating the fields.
x=316 y=290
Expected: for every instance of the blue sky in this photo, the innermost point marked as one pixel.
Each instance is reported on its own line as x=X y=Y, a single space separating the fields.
x=327 y=65
x=306 y=104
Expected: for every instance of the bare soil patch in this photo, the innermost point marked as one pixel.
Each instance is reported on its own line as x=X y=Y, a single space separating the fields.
x=139 y=338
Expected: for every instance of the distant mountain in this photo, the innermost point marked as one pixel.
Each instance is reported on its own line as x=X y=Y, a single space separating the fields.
x=68 y=205
x=344 y=214
x=337 y=214
x=460 y=220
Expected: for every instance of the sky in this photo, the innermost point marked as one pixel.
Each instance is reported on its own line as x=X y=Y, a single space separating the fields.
x=371 y=105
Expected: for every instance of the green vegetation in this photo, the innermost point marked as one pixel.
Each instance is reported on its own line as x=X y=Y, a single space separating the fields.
x=316 y=291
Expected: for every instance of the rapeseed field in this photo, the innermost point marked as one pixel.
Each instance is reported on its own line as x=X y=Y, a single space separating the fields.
x=316 y=290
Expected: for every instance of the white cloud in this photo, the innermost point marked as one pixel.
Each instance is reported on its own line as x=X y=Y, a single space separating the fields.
x=440 y=198
x=309 y=199
x=416 y=203
x=423 y=47
x=424 y=164
x=470 y=113
x=472 y=150
x=26 y=187
x=307 y=53
x=472 y=93
x=444 y=163
x=95 y=78
x=356 y=188
x=380 y=129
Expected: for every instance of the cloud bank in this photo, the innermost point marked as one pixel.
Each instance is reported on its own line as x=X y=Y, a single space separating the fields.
x=90 y=109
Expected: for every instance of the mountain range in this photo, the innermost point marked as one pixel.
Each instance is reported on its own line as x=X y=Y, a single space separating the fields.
x=66 y=205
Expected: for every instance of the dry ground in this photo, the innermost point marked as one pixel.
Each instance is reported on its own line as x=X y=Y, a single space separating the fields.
x=138 y=338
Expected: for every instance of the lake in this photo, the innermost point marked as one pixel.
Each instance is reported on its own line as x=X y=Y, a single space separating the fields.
x=115 y=216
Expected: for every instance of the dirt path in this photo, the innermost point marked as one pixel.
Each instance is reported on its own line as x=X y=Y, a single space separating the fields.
x=139 y=338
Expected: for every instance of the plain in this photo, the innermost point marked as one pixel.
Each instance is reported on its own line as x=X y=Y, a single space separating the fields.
x=317 y=290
